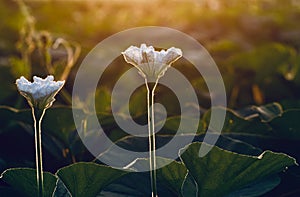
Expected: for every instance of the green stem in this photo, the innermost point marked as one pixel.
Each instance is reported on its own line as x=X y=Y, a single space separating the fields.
x=151 y=133
x=38 y=115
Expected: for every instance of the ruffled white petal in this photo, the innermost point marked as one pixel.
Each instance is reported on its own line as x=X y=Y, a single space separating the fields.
x=40 y=92
x=151 y=63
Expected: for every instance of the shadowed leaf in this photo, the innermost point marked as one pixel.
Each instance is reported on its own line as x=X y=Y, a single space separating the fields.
x=88 y=179
x=221 y=172
x=24 y=180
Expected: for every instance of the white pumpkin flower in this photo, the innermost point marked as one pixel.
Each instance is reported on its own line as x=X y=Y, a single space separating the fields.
x=41 y=92
x=150 y=63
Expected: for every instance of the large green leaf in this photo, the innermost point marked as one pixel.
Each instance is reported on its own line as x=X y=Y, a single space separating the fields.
x=24 y=180
x=257 y=188
x=171 y=174
x=173 y=179
x=189 y=187
x=231 y=144
x=88 y=179
x=221 y=172
x=129 y=186
x=140 y=144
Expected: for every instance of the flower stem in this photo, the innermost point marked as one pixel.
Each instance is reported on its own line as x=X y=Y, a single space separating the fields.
x=151 y=131
x=38 y=115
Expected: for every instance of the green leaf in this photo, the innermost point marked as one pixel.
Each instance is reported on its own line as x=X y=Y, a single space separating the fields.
x=88 y=179
x=170 y=174
x=24 y=180
x=140 y=144
x=167 y=184
x=257 y=188
x=230 y=144
x=287 y=125
x=128 y=186
x=189 y=187
x=235 y=123
x=265 y=112
x=171 y=125
x=114 y=194
x=269 y=112
x=60 y=190
x=221 y=172
x=59 y=123
x=138 y=102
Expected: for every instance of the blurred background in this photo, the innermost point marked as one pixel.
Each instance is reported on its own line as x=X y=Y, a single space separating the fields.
x=255 y=43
